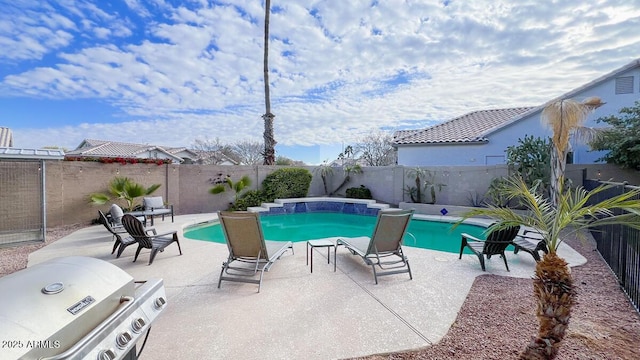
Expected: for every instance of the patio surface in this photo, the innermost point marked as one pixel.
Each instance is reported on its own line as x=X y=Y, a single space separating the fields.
x=297 y=314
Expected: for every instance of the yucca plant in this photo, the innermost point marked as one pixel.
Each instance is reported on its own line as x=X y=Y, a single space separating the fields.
x=123 y=188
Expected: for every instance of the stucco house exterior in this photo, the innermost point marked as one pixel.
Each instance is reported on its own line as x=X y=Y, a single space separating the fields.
x=482 y=137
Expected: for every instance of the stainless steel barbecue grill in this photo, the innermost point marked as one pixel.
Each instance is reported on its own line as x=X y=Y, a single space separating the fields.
x=76 y=308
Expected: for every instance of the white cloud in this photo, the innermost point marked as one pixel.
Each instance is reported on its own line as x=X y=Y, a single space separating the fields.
x=337 y=70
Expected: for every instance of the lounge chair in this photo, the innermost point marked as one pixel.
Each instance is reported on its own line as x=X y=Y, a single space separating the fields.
x=116 y=231
x=155 y=206
x=495 y=244
x=148 y=238
x=384 y=247
x=245 y=240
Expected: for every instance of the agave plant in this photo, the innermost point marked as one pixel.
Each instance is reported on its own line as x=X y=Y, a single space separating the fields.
x=553 y=285
x=123 y=188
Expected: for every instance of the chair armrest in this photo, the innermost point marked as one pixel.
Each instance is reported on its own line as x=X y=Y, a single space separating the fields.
x=467 y=236
x=164 y=234
x=152 y=230
x=533 y=232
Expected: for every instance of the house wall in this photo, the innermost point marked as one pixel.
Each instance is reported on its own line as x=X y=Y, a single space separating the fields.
x=69 y=183
x=494 y=152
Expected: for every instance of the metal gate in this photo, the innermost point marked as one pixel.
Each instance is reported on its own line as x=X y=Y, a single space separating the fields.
x=22 y=210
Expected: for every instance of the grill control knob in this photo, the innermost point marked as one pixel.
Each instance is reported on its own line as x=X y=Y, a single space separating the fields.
x=160 y=302
x=106 y=355
x=123 y=339
x=137 y=325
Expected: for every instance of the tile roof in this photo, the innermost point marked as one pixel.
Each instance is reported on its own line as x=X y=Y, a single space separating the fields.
x=104 y=148
x=6 y=139
x=471 y=127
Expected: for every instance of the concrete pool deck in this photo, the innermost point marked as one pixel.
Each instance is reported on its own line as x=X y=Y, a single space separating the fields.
x=297 y=314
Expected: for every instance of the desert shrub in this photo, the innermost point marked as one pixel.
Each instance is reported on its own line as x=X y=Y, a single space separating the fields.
x=287 y=183
x=248 y=199
x=359 y=193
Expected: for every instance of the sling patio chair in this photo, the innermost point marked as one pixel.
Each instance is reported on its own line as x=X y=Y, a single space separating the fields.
x=495 y=244
x=247 y=246
x=148 y=238
x=384 y=247
x=120 y=244
x=155 y=206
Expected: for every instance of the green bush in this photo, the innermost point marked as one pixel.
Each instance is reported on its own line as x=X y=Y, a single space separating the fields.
x=248 y=199
x=280 y=184
x=287 y=183
x=359 y=193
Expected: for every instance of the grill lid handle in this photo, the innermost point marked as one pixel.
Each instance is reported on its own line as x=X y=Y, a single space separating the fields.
x=67 y=354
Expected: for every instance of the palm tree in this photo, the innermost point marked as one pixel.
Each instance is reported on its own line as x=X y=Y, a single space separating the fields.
x=123 y=188
x=237 y=186
x=566 y=210
x=565 y=118
x=552 y=284
x=269 y=140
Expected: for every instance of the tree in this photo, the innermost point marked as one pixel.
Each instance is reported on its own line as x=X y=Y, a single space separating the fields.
x=553 y=285
x=248 y=152
x=420 y=176
x=565 y=118
x=326 y=172
x=123 y=188
x=269 y=140
x=283 y=160
x=213 y=152
x=566 y=209
x=622 y=139
x=376 y=149
x=531 y=159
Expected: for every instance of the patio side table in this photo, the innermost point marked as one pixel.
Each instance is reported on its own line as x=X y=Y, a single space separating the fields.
x=319 y=243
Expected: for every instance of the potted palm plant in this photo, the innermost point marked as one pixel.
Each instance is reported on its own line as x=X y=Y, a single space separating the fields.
x=123 y=188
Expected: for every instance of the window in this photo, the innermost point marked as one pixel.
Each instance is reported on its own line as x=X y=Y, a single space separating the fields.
x=624 y=85
x=494 y=160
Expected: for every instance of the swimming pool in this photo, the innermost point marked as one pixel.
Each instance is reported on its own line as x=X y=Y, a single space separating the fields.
x=430 y=234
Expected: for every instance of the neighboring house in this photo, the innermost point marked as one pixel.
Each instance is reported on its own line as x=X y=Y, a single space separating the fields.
x=6 y=138
x=214 y=158
x=482 y=137
x=112 y=149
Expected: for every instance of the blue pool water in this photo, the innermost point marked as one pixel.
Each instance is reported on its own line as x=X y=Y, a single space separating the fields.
x=435 y=235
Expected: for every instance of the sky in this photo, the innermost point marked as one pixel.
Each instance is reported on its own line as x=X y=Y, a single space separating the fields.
x=168 y=72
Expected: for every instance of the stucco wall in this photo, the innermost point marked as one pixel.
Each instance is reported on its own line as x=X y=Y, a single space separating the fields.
x=68 y=185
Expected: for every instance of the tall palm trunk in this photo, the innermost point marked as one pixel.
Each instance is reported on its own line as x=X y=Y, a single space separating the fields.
x=269 y=140
x=552 y=284
x=553 y=287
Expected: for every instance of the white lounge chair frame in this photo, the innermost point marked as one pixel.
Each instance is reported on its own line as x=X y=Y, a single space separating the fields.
x=245 y=241
x=384 y=247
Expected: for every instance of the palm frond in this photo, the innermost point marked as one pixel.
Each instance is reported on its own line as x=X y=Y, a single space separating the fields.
x=563 y=117
x=573 y=212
